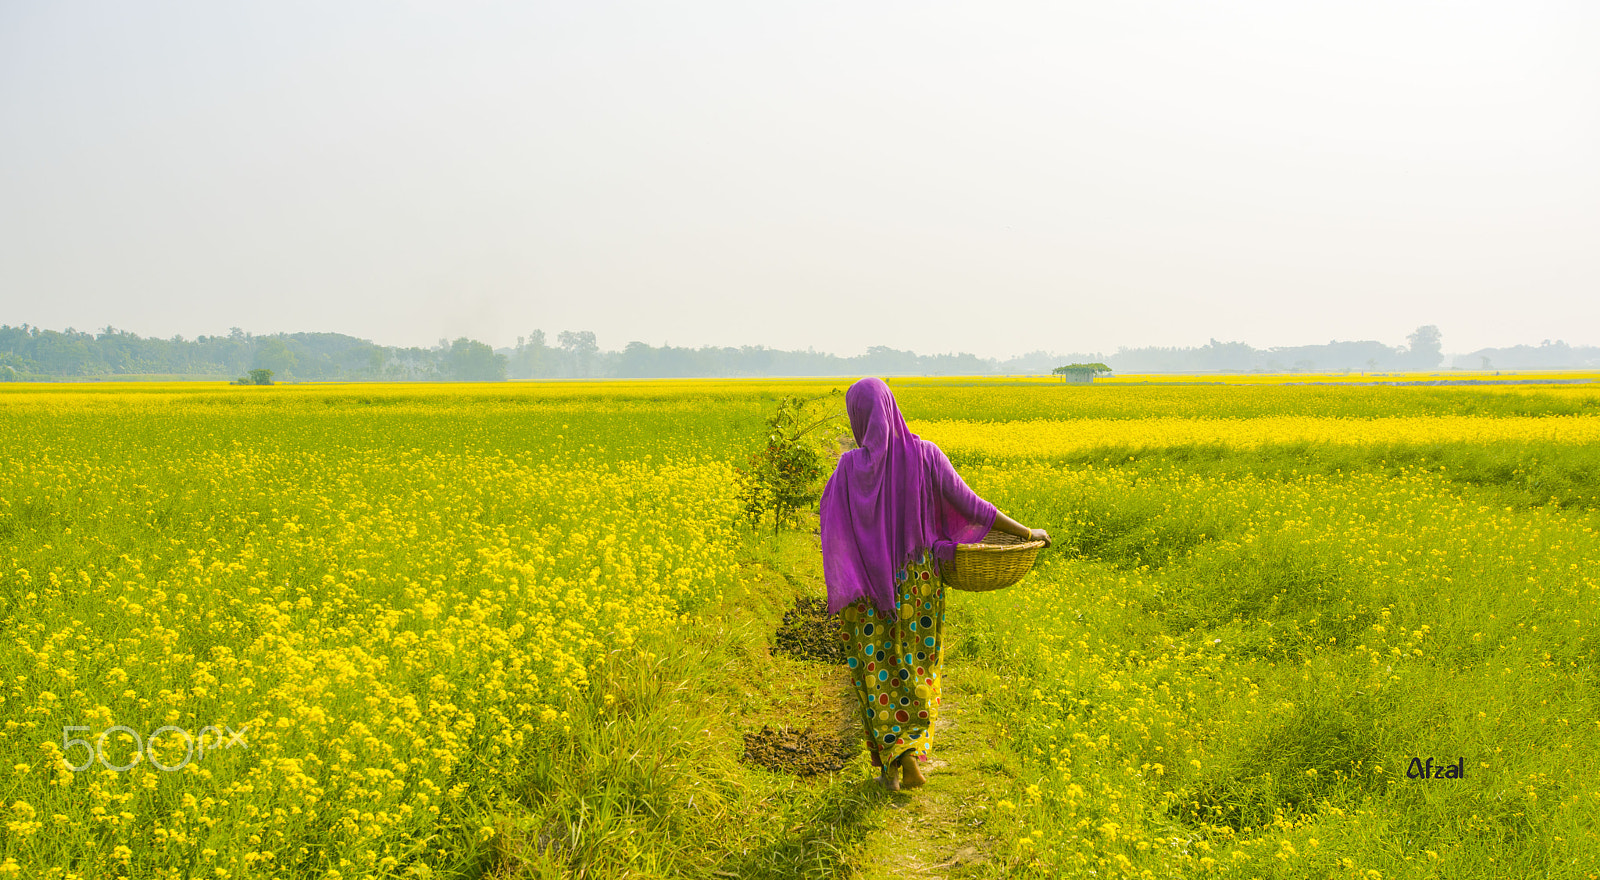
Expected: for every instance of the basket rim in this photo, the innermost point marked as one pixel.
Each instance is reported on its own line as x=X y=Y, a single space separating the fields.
x=1001 y=548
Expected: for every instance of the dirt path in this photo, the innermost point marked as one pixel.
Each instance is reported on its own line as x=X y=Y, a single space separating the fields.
x=940 y=830
x=937 y=831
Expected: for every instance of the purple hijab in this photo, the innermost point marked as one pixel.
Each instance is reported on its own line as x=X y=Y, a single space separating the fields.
x=889 y=500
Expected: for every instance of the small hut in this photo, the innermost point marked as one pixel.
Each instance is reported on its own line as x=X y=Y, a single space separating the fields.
x=1080 y=374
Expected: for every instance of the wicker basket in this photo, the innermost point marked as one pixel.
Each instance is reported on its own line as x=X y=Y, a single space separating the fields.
x=998 y=561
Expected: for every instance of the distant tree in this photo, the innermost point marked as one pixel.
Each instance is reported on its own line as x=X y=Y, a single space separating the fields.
x=885 y=361
x=367 y=359
x=532 y=357
x=1426 y=349
x=273 y=353
x=471 y=361
x=638 y=361
x=580 y=349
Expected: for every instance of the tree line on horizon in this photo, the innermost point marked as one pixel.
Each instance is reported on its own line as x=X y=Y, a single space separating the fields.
x=31 y=353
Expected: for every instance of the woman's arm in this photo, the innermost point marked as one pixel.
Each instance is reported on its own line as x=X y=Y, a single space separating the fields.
x=1012 y=527
x=961 y=497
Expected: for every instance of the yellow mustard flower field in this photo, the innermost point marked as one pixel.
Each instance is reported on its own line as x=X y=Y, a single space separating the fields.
x=466 y=631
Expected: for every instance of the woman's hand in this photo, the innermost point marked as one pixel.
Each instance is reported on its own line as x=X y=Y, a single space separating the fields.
x=1018 y=530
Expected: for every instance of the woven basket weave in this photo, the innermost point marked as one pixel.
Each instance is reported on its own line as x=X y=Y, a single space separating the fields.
x=998 y=561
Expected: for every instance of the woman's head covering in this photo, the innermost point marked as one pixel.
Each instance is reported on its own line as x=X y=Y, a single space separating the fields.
x=894 y=496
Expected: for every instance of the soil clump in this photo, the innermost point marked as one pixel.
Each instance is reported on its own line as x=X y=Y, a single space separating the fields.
x=809 y=632
x=797 y=751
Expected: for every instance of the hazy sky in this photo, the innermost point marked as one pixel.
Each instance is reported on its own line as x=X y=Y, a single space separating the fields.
x=984 y=177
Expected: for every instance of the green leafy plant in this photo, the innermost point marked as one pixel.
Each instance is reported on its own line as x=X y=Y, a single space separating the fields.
x=783 y=476
x=256 y=377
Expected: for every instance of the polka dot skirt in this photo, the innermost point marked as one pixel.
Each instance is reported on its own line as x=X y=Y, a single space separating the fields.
x=894 y=661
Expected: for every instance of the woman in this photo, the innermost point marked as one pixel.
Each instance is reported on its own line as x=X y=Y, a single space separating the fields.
x=892 y=508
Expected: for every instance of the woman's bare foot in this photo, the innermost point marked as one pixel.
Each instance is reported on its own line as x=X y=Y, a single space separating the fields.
x=890 y=777
x=913 y=773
